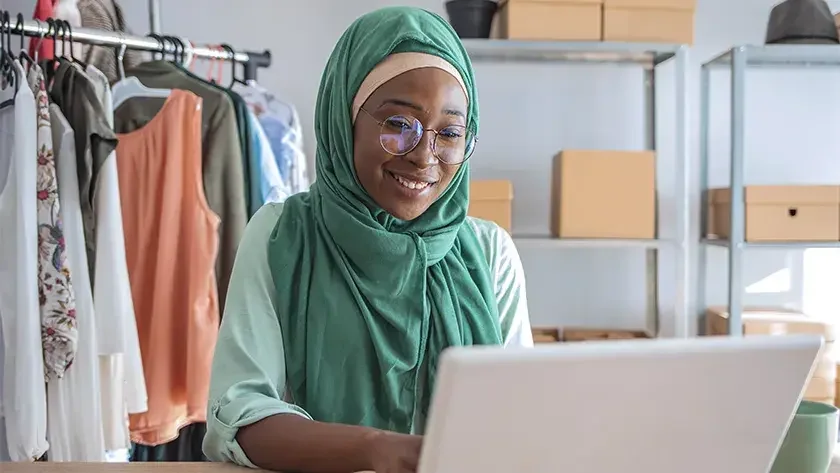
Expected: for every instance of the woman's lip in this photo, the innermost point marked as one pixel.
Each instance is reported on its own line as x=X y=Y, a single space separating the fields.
x=409 y=177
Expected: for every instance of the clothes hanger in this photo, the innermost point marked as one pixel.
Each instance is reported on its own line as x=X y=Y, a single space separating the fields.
x=24 y=57
x=131 y=87
x=69 y=36
x=161 y=44
x=49 y=66
x=234 y=80
x=41 y=37
x=9 y=73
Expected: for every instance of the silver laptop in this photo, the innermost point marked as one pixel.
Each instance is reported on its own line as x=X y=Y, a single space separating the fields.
x=710 y=404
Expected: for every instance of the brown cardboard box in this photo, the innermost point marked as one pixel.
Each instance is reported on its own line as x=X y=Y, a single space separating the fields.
x=583 y=334
x=780 y=213
x=604 y=194
x=545 y=335
x=654 y=21
x=558 y=20
x=760 y=321
x=492 y=200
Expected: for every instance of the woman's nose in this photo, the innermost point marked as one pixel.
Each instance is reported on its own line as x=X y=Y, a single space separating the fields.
x=423 y=155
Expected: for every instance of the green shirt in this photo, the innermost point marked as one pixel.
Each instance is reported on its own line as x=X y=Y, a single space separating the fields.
x=248 y=381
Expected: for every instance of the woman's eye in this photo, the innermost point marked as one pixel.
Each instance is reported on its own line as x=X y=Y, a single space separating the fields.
x=452 y=132
x=398 y=123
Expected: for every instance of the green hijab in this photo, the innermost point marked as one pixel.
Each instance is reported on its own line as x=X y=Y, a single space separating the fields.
x=367 y=302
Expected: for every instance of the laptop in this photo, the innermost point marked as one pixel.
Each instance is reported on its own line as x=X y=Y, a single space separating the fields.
x=701 y=405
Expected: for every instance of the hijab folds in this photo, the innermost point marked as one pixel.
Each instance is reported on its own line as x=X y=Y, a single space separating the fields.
x=367 y=302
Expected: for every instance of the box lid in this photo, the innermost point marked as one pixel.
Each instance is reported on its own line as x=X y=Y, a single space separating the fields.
x=491 y=190
x=659 y=4
x=784 y=195
x=776 y=322
x=554 y=2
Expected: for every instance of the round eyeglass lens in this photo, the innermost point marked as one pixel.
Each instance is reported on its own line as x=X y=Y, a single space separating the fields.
x=400 y=134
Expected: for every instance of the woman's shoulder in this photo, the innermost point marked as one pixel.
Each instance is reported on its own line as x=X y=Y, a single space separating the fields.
x=495 y=241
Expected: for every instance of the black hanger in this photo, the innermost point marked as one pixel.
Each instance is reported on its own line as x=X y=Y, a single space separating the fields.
x=9 y=74
x=24 y=56
x=167 y=40
x=69 y=35
x=50 y=65
x=161 y=45
x=180 y=49
x=234 y=79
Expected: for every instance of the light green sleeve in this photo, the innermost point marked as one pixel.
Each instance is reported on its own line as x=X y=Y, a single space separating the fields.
x=509 y=282
x=248 y=379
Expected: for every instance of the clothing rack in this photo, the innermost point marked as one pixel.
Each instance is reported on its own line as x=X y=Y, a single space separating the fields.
x=250 y=60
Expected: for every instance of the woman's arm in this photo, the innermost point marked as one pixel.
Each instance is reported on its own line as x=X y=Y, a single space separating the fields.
x=509 y=282
x=248 y=420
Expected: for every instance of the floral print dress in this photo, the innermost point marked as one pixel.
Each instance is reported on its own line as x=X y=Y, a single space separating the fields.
x=59 y=330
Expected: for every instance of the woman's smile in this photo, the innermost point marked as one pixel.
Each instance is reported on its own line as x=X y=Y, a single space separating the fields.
x=410 y=186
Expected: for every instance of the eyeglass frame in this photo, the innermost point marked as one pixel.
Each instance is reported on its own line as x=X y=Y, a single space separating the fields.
x=381 y=124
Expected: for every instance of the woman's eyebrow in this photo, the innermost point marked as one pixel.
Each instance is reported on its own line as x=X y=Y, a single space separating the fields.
x=401 y=103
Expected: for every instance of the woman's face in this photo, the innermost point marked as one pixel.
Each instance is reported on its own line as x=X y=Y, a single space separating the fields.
x=405 y=186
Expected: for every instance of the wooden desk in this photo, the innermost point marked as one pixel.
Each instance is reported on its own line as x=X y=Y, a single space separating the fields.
x=140 y=467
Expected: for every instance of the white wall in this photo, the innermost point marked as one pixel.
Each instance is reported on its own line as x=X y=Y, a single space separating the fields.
x=531 y=111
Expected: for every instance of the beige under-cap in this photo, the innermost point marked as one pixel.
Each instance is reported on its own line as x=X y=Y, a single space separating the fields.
x=397 y=64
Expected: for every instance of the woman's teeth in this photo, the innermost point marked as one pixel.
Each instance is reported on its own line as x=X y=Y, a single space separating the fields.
x=411 y=184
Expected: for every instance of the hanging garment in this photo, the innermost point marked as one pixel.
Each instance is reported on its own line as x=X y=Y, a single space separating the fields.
x=75 y=415
x=282 y=127
x=222 y=161
x=24 y=404
x=106 y=15
x=266 y=183
x=59 y=328
x=171 y=240
x=123 y=386
x=76 y=96
x=43 y=49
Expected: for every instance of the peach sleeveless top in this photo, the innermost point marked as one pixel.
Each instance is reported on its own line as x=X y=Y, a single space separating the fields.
x=171 y=239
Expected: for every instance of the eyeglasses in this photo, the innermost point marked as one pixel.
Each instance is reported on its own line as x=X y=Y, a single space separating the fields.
x=400 y=134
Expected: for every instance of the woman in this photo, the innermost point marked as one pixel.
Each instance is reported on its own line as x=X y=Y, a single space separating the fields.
x=343 y=298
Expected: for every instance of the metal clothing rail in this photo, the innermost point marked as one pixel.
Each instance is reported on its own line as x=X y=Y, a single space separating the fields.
x=250 y=60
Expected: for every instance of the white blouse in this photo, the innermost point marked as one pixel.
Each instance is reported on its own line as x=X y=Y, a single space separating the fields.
x=23 y=404
x=75 y=416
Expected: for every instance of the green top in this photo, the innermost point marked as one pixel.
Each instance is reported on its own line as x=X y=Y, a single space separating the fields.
x=345 y=270
x=249 y=378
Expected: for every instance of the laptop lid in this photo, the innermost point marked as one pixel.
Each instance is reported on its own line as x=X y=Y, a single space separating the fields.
x=710 y=404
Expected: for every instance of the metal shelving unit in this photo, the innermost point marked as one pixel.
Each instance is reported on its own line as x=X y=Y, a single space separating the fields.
x=647 y=56
x=739 y=59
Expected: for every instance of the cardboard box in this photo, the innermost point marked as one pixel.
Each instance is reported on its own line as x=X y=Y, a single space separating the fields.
x=652 y=21
x=584 y=334
x=545 y=335
x=760 y=321
x=604 y=194
x=492 y=200
x=557 y=20
x=779 y=213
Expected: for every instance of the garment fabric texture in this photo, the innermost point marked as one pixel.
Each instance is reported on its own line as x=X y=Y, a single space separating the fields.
x=222 y=161
x=23 y=405
x=171 y=239
x=59 y=326
x=75 y=423
x=122 y=384
x=75 y=95
x=282 y=127
x=266 y=183
x=106 y=15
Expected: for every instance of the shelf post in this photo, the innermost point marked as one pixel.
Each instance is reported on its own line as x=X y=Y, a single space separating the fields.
x=683 y=204
x=736 y=186
x=651 y=255
x=705 y=117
